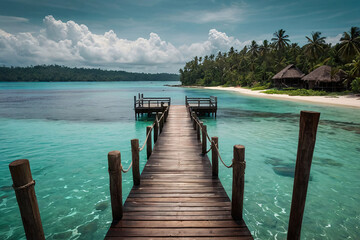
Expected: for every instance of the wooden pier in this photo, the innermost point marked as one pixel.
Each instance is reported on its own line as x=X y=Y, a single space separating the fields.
x=178 y=196
x=150 y=105
x=202 y=106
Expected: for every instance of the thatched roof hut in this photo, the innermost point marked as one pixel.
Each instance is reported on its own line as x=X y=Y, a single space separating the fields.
x=289 y=72
x=322 y=74
x=323 y=78
x=290 y=76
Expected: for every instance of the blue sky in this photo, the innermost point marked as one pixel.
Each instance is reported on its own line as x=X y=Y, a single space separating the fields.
x=157 y=35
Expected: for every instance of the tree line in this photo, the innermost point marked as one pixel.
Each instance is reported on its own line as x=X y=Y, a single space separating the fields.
x=56 y=73
x=255 y=65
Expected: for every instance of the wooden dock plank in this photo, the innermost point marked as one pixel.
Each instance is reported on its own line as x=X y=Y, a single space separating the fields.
x=178 y=196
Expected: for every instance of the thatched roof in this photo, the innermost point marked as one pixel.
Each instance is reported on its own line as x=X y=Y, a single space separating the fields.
x=291 y=71
x=323 y=74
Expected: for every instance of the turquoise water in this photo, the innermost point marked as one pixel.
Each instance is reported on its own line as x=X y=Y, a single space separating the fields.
x=67 y=129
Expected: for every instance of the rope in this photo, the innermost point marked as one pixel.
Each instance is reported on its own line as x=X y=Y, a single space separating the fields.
x=208 y=150
x=147 y=137
x=125 y=171
x=217 y=149
x=24 y=186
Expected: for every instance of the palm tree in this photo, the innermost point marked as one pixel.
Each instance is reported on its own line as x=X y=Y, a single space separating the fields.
x=315 y=46
x=254 y=49
x=280 y=39
x=264 y=48
x=350 y=44
x=355 y=67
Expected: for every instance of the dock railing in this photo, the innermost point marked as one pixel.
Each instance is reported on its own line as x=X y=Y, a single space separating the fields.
x=116 y=168
x=148 y=102
x=201 y=102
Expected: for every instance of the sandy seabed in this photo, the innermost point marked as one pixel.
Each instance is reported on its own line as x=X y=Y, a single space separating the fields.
x=351 y=100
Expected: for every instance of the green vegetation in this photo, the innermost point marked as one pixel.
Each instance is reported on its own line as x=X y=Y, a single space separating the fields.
x=55 y=73
x=355 y=85
x=304 y=92
x=255 y=65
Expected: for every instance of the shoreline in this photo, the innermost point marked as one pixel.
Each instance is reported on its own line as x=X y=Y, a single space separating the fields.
x=352 y=100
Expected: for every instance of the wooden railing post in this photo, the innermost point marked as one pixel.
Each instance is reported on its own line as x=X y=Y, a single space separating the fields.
x=23 y=185
x=135 y=161
x=161 y=124
x=166 y=113
x=156 y=128
x=114 y=163
x=148 y=143
x=197 y=131
x=214 y=156
x=193 y=119
x=307 y=137
x=238 y=182
x=204 y=131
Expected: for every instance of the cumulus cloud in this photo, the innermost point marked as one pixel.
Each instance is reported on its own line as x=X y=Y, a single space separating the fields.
x=333 y=40
x=73 y=44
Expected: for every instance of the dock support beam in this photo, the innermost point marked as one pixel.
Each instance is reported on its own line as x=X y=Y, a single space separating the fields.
x=114 y=162
x=136 y=161
x=238 y=182
x=215 y=156
x=307 y=137
x=203 y=127
x=23 y=185
x=148 y=143
x=156 y=128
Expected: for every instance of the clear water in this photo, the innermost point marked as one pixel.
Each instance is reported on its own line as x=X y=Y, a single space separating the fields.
x=67 y=129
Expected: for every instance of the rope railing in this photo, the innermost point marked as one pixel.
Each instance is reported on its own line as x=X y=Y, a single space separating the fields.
x=146 y=139
x=212 y=143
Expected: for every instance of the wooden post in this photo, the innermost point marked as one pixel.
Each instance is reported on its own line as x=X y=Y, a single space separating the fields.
x=307 y=137
x=197 y=131
x=23 y=185
x=148 y=143
x=114 y=163
x=165 y=113
x=238 y=182
x=161 y=123
x=214 y=156
x=135 y=161
x=203 y=127
x=156 y=128
x=193 y=119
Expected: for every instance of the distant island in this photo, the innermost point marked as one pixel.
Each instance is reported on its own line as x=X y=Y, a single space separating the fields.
x=56 y=73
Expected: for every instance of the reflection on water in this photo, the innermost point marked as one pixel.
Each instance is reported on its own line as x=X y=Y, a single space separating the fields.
x=67 y=129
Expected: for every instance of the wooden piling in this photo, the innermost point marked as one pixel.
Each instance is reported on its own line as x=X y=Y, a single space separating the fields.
x=238 y=182
x=114 y=163
x=198 y=132
x=214 y=156
x=156 y=128
x=307 y=137
x=203 y=133
x=148 y=143
x=161 y=123
x=135 y=161
x=193 y=119
x=23 y=185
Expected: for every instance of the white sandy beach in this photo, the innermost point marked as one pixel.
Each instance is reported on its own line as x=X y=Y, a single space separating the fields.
x=346 y=101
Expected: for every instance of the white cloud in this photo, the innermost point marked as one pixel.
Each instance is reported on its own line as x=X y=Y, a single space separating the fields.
x=74 y=44
x=12 y=19
x=333 y=40
x=230 y=14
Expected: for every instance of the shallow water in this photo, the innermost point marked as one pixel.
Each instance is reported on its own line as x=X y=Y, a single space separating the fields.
x=67 y=129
